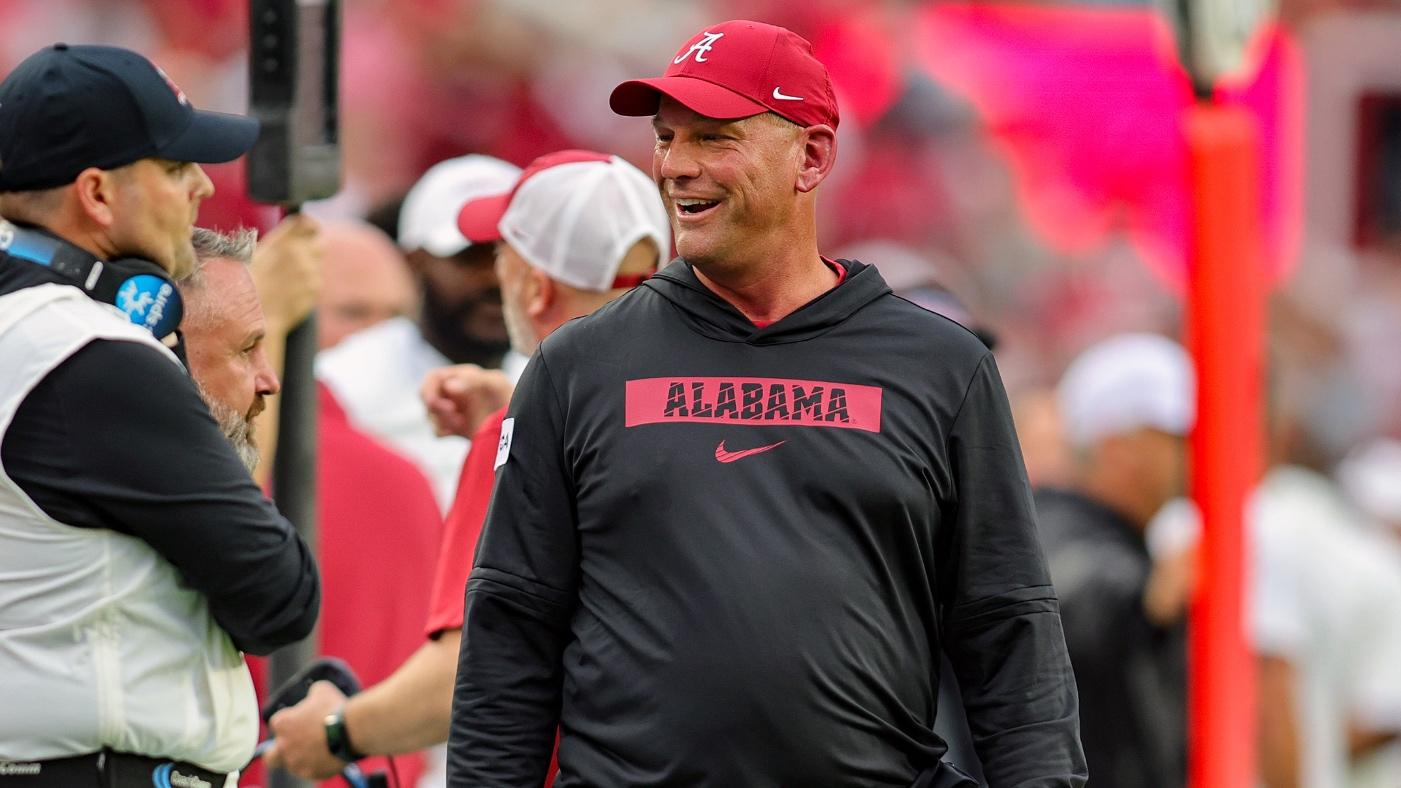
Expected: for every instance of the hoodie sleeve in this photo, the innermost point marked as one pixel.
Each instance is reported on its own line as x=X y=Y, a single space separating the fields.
x=519 y=602
x=1001 y=623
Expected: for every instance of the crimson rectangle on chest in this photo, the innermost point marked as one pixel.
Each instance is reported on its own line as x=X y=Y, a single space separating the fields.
x=753 y=401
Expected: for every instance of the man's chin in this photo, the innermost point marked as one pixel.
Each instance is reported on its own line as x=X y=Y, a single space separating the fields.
x=179 y=264
x=470 y=349
x=697 y=251
x=249 y=451
x=487 y=329
x=249 y=455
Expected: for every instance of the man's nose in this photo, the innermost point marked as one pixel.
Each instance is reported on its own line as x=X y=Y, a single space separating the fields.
x=675 y=163
x=204 y=187
x=265 y=382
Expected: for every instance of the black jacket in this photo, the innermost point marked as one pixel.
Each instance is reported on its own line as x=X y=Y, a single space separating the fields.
x=719 y=555
x=117 y=437
x=1132 y=675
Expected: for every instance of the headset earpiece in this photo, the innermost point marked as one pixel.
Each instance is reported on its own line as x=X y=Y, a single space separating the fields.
x=139 y=288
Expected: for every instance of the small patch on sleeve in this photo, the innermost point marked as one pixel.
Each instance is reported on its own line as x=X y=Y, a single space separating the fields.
x=503 y=446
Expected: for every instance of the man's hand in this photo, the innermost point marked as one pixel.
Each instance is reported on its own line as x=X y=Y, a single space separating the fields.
x=459 y=398
x=300 y=735
x=1170 y=586
x=287 y=271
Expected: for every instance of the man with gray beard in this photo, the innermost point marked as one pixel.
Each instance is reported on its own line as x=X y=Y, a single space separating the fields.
x=224 y=330
x=377 y=517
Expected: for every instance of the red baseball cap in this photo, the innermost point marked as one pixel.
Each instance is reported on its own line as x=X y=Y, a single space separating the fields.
x=574 y=215
x=737 y=69
x=480 y=218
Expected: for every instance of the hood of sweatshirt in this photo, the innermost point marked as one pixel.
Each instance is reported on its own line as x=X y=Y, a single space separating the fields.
x=714 y=317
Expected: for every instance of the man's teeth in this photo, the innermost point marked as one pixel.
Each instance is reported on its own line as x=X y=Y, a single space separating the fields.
x=695 y=206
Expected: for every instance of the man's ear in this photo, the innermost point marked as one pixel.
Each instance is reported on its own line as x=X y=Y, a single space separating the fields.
x=819 y=156
x=96 y=191
x=541 y=293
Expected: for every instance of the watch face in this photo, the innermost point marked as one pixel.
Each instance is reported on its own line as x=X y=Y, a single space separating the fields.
x=335 y=733
x=338 y=740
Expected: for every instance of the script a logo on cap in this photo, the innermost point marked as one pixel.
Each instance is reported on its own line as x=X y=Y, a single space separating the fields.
x=700 y=48
x=174 y=88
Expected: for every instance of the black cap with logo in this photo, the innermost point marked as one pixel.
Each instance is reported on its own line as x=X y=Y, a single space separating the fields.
x=67 y=108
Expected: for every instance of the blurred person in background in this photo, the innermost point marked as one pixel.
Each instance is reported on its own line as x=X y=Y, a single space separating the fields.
x=1367 y=474
x=1325 y=590
x=1322 y=619
x=461 y=310
x=1370 y=475
x=1326 y=593
x=1326 y=597
x=1126 y=404
x=782 y=632
x=129 y=528
x=377 y=522
x=376 y=373
x=578 y=230
x=366 y=282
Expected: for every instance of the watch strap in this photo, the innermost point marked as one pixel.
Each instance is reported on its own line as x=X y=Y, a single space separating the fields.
x=338 y=738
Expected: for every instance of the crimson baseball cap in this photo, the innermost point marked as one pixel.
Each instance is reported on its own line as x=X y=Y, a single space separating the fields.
x=67 y=108
x=737 y=69
x=574 y=214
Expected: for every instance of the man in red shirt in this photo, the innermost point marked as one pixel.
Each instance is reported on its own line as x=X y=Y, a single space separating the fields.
x=577 y=230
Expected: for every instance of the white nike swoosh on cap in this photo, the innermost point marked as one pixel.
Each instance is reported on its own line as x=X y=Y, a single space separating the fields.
x=778 y=94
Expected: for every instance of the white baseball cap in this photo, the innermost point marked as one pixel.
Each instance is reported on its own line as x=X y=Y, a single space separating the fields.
x=428 y=217
x=574 y=215
x=1124 y=383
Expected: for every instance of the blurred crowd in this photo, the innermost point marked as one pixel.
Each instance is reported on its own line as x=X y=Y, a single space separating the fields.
x=920 y=170
x=926 y=188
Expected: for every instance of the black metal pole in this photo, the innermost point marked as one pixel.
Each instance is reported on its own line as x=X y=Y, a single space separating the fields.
x=294 y=491
x=293 y=68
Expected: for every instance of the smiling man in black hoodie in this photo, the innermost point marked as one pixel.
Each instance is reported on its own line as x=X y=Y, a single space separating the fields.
x=739 y=511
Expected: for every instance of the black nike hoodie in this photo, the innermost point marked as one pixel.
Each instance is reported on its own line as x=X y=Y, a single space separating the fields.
x=721 y=555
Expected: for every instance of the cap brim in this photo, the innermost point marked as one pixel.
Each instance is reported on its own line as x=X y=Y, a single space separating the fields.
x=212 y=138
x=639 y=97
x=479 y=219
